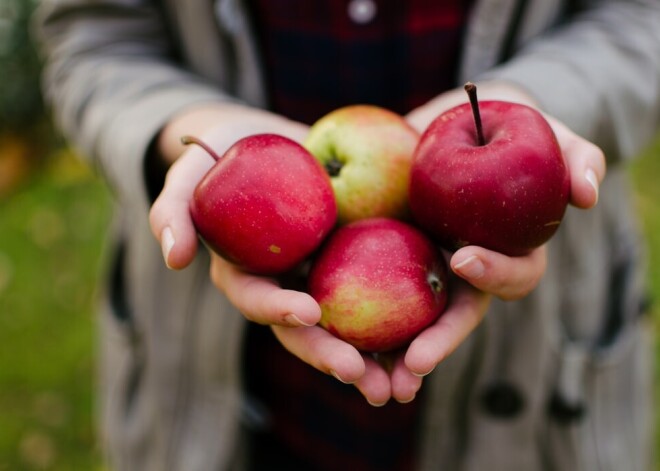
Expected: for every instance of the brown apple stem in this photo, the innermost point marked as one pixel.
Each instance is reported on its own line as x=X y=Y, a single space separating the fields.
x=187 y=140
x=471 y=90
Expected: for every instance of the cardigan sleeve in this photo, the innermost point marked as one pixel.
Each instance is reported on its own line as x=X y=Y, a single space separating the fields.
x=112 y=80
x=599 y=73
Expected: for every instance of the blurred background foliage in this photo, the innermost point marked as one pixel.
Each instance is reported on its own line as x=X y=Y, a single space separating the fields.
x=54 y=216
x=20 y=106
x=26 y=134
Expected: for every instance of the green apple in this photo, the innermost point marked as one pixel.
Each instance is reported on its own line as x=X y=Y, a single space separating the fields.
x=367 y=151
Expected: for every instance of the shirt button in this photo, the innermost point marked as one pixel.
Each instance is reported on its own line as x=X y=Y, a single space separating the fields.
x=565 y=411
x=502 y=400
x=362 y=11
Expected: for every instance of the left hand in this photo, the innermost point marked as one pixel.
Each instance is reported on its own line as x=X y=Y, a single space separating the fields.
x=486 y=272
x=513 y=278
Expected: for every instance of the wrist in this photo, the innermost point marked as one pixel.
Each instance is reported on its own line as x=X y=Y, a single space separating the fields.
x=193 y=121
x=421 y=117
x=222 y=124
x=506 y=91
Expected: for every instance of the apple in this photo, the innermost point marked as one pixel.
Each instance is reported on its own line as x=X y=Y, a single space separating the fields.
x=265 y=205
x=489 y=173
x=379 y=282
x=367 y=151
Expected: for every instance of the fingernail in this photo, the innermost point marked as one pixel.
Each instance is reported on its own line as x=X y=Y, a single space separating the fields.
x=471 y=267
x=376 y=404
x=421 y=375
x=591 y=177
x=406 y=401
x=167 y=242
x=337 y=377
x=295 y=321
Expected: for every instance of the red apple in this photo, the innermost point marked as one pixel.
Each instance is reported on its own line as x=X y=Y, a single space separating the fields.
x=367 y=151
x=502 y=185
x=379 y=282
x=265 y=205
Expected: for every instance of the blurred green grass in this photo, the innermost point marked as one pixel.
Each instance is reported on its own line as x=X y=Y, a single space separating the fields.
x=52 y=245
x=53 y=235
x=645 y=173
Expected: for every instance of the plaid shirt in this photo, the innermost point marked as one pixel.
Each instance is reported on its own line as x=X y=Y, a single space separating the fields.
x=318 y=58
x=321 y=55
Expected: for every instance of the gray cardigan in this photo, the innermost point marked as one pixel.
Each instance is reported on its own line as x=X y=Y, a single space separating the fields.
x=574 y=352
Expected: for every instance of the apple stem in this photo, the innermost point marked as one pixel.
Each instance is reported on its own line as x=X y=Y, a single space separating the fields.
x=471 y=90
x=333 y=166
x=187 y=140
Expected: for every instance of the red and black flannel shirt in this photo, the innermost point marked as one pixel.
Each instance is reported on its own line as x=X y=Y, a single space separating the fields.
x=319 y=56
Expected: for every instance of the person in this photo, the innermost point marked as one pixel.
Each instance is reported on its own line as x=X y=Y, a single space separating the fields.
x=540 y=361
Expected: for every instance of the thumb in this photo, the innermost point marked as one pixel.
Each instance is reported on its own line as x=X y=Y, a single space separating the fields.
x=169 y=217
x=586 y=163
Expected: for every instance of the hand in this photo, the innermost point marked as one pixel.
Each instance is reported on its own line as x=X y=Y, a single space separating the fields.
x=486 y=272
x=259 y=299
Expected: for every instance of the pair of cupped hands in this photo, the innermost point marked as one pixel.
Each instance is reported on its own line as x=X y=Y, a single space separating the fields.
x=477 y=273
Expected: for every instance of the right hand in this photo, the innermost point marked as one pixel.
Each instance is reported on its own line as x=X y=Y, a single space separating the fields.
x=292 y=314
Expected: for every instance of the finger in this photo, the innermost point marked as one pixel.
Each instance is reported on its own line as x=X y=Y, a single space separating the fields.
x=261 y=299
x=322 y=350
x=169 y=216
x=374 y=384
x=586 y=164
x=508 y=278
x=405 y=384
x=466 y=310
